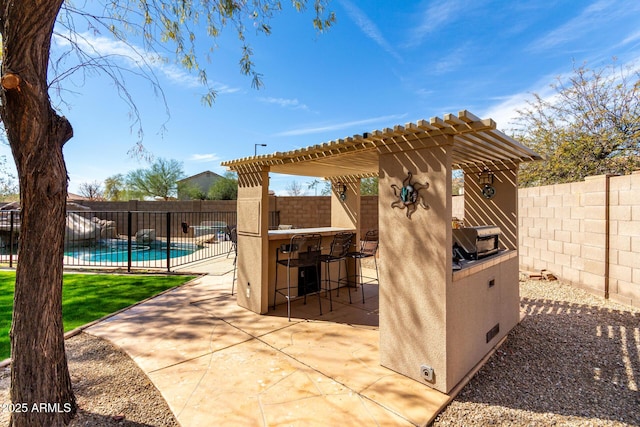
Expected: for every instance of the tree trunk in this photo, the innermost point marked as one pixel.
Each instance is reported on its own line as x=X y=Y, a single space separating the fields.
x=40 y=383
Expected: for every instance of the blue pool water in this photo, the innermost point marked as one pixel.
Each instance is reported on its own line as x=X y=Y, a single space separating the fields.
x=118 y=252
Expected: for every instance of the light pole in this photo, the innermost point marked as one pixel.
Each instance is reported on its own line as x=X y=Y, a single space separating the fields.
x=255 y=148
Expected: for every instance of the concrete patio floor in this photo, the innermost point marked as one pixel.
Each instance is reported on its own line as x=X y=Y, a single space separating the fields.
x=218 y=364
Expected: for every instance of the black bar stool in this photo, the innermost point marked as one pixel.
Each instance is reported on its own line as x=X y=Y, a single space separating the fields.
x=232 y=235
x=338 y=252
x=302 y=251
x=368 y=248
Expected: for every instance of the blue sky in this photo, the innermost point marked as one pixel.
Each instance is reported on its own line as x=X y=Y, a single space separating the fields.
x=383 y=63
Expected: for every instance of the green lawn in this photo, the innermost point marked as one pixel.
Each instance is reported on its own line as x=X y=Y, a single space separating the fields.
x=87 y=297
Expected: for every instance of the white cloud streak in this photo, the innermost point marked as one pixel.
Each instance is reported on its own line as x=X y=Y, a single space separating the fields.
x=436 y=15
x=505 y=110
x=631 y=38
x=589 y=20
x=203 y=158
x=136 y=58
x=340 y=126
x=368 y=27
x=285 y=103
x=451 y=61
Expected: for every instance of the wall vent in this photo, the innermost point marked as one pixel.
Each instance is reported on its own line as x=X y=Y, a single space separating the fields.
x=493 y=332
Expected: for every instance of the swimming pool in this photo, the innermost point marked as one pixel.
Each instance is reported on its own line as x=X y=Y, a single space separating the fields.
x=110 y=251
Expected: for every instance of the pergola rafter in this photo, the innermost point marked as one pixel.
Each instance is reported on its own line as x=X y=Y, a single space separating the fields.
x=476 y=142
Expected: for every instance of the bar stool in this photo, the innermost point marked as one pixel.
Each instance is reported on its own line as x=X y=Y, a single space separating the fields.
x=234 y=243
x=368 y=248
x=339 y=249
x=302 y=251
x=232 y=234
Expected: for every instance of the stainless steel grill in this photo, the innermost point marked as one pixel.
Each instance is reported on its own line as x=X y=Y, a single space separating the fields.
x=476 y=242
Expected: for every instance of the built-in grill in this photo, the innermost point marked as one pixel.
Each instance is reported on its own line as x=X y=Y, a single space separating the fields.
x=475 y=242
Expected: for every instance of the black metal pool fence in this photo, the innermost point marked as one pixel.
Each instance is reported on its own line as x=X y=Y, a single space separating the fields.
x=133 y=239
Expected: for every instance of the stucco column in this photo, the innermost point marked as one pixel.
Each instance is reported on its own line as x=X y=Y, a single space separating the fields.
x=415 y=262
x=501 y=209
x=253 y=240
x=345 y=211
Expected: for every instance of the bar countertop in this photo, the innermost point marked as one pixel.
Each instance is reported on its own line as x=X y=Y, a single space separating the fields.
x=323 y=231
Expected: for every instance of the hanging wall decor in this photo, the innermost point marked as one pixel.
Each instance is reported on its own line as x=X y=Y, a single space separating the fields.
x=485 y=178
x=409 y=196
x=341 y=189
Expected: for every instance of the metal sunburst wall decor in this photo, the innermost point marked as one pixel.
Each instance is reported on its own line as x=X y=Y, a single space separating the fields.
x=409 y=196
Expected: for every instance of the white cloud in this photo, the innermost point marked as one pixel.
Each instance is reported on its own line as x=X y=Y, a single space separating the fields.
x=222 y=88
x=437 y=15
x=339 y=126
x=631 y=38
x=203 y=158
x=504 y=112
x=450 y=62
x=588 y=21
x=368 y=27
x=136 y=57
x=285 y=103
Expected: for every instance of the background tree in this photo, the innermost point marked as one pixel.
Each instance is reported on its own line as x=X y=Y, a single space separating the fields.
x=325 y=187
x=115 y=188
x=8 y=186
x=189 y=191
x=159 y=180
x=590 y=126
x=294 y=188
x=37 y=133
x=457 y=182
x=369 y=186
x=225 y=188
x=91 y=190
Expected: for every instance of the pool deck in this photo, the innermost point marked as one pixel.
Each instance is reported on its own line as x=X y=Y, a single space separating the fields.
x=216 y=363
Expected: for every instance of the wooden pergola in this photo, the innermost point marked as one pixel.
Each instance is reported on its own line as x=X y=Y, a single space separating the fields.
x=430 y=315
x=475 y=142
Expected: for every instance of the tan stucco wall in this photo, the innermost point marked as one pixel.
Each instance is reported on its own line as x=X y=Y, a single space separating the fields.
x=253 y=244
x=415 y=265
x=475 y=307
x=346 y=213
x=501 y=210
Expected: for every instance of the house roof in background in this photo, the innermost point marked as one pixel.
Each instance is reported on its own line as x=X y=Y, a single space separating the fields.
x=205 y=173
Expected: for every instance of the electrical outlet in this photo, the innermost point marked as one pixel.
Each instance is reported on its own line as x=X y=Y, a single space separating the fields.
x=426 y=372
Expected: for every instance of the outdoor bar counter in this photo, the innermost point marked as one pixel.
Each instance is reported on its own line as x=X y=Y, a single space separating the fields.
x=280 y=237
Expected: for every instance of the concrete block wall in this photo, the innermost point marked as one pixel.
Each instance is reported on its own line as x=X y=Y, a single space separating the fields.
x=586 y=233
x=368 y=213
x=315 y=211
x=624 y=243
x=300 y=211
x=304 y=211
x=152 y=214
x=166 y=206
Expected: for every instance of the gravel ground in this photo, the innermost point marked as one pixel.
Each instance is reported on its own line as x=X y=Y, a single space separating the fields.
x=110 y=388
x=574 y=360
